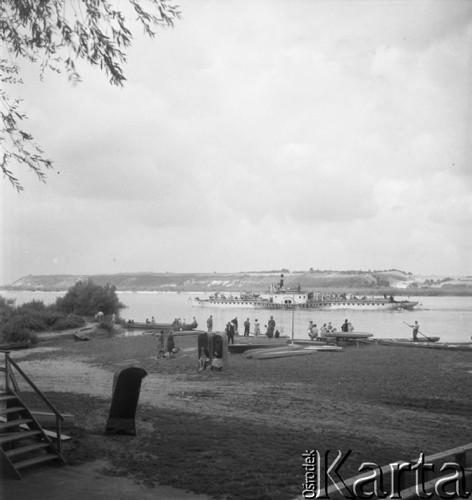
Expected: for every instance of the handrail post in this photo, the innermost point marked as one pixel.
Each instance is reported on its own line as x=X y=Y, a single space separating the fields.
x=7 y=371
x=58 y=434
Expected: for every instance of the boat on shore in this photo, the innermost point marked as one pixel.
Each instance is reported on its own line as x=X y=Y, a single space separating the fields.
x=348 y=335
x=240 y=348
x=176 y=326
x=279 y=297
x=80 y=337
x=290 y=351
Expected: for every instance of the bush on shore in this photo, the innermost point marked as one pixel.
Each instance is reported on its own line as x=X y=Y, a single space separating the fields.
x=21 y=323
x=86 y=298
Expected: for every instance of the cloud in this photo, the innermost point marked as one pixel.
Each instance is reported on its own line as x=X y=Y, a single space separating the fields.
x=318 y=133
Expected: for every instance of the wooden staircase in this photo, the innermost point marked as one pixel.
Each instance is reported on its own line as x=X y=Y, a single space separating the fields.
x=23 y=442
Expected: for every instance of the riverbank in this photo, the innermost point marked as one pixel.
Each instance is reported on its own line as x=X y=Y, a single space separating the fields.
x=240 y=433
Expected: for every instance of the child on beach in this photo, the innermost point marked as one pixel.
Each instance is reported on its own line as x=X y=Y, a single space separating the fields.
x=216 y=362
x=160 y=346
x=203 y=360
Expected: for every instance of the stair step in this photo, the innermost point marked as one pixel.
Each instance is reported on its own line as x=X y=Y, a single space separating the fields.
x=12 y=409
x=6 y=397
x=26 y=449
x=35 y=460
x=14 y=423
x=8 y=437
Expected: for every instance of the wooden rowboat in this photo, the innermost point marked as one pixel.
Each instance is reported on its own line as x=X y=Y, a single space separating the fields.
x=166 y=327
x=422 y=340
x=240 y=348
x=449 y=346
x=80 y=337
x=293 y=351
x=348 y=335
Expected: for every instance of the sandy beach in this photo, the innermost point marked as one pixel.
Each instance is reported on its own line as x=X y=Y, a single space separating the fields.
x=240 y=433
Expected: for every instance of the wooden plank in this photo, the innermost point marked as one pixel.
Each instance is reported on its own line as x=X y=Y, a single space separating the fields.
x=48 y=418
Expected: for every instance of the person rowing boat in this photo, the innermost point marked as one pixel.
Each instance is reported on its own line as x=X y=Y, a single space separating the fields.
x=416 y=329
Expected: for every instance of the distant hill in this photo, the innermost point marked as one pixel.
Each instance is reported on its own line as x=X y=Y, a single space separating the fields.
x=398 y=281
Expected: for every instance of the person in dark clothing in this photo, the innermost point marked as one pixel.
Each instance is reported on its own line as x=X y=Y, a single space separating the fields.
x=170 y=344
x=270 y=327
x=230 y=332
x=247 y=326
x=210 y=324
x=235 y=325
x=345 y=326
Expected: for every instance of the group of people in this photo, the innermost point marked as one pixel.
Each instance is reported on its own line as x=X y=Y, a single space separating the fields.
x=316 y=333
x=232 y=328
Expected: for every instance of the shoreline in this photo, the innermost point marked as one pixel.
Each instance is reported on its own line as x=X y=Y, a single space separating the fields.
x=241 y=432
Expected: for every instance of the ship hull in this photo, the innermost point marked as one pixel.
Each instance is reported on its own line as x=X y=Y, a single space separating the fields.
x=360 y=305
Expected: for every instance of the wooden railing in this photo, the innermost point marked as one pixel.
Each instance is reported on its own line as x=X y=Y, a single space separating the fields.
x=11 y=384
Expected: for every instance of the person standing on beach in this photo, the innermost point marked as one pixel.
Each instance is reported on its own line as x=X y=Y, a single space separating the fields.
x=313 y=331
x=247 y=326
x=210 y=323
x=270 y=327
x=230 y=332
x=235 y=325
x=170 y=344
x=323 y=331
x=257 y=328
x=161 y=345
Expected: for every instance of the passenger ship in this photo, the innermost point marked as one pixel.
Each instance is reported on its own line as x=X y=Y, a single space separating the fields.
x=281 y=298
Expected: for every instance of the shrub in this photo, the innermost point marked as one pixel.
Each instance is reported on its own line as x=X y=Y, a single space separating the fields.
x=87 y=298
x=18 y=324
x=107 y=325
x=70 y=321
x=18 y=333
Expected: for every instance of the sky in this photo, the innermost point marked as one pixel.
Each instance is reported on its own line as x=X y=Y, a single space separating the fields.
x=257 y=135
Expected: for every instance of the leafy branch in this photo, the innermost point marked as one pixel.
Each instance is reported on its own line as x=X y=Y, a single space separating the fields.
x=56 y=34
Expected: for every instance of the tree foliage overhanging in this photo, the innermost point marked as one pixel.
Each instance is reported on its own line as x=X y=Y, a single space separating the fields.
x=56 y=34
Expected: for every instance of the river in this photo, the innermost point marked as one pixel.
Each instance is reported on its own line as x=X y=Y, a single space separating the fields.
x=445 y=317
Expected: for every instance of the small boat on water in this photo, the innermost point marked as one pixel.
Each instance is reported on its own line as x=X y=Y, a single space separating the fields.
x=419 y=340
x=449 y=346
x=166 y=327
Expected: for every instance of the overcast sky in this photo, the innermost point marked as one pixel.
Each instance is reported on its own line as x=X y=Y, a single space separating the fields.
x=258 y=135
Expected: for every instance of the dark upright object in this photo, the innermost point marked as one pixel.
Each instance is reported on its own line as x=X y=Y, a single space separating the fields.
x=126 y=388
